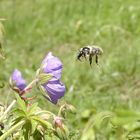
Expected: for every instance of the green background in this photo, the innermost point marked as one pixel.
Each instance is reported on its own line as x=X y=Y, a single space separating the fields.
x=35 y=27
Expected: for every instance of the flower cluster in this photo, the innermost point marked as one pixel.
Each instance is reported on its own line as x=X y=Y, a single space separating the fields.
x=51 y=65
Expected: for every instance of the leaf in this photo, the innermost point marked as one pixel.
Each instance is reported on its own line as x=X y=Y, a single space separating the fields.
x=61 y=134
x=27 y=127
x=33 y=109
x=37 y=135
x=21 y=103
x=17 y=120
x=1 y=132
x=123 y=121
x=70 y=108
x=88 y=135
x=126 y=113
x=66 y=131
x=43 y=122
x=100 y=117
x=34 y=124
x=19 y=112
x=43 y=91
x=43 y=78
x=86 y=113
x=125 y=116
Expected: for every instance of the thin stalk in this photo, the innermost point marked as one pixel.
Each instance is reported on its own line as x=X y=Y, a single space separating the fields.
x=61 y=109
x=43 y=112
x=29 y=86
x=9 y=107
x=7 y=110
x=2 y=19
x=11 y=130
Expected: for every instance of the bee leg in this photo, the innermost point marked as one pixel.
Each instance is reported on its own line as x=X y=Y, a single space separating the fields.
x=79 y=59
x=90 y=59
x=79 y=56
x=96 y=59
x=85 y=56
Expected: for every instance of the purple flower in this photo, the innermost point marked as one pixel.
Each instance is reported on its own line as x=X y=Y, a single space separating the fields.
x=55 y=90
x=18 y=84
x=52 y=65
x=53 y=87
x=18 y=80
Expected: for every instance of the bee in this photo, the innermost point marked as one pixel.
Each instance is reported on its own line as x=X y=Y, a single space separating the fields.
x=89 y=52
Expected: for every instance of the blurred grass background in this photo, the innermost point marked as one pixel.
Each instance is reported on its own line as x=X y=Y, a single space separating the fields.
x=35 y=27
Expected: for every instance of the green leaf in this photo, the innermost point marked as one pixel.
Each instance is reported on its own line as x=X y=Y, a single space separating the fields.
x=44 y=123
x=27 y=127
x=19 y=112
x=125 y=116
x=17 y=120
x=21 y=103
x=88 y=135
x=126 y=113
x=1 y=132
x=33 y=109
x=66 y=131
x=100 y=117
x=61 y=134
x=37 y=135
x=123 y=121
x=34 y=124
x=43 y=78
x=86 y=113
x=43 y=91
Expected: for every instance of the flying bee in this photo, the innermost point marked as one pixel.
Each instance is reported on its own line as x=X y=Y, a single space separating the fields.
x=89 y=52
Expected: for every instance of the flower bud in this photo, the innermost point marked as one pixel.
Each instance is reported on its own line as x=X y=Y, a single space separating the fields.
x=17 y=82
x=71 y=108
x=66 y=108
x=58 y=122
x=61 y=130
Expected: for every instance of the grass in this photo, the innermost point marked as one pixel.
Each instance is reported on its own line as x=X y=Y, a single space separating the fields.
x=34 y=27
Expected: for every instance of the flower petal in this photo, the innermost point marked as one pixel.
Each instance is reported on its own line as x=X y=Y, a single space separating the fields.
x=52 y=65
x=48 y=56
x=55 y=90
x=18 y=79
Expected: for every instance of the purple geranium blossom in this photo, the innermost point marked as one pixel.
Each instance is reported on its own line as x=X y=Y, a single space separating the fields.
x=52 y=65
x=18 y=84
x=18 y=80
x=55 y=90
x=53 y=87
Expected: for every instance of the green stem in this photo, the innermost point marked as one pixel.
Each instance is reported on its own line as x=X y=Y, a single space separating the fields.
x=7 y=110
x=61 y=109
x=28 y=86
x=43 y=112
x=11 y=130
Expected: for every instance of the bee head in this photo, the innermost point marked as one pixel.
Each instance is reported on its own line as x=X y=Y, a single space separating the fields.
x=79 y=54
x=85 y=51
